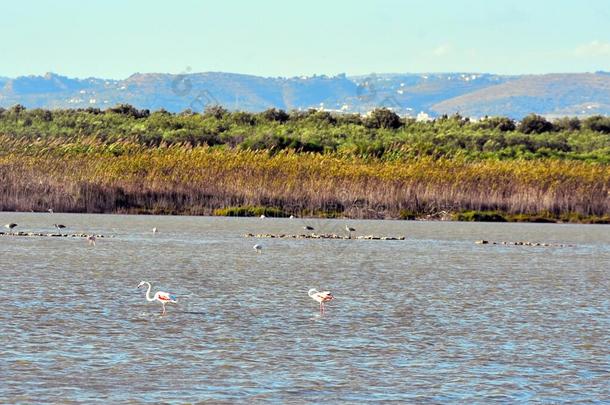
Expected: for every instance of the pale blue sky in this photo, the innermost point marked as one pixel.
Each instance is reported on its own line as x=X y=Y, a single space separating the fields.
x=114 y=38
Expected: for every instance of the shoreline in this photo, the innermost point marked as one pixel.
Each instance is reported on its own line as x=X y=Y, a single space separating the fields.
x=471 y=216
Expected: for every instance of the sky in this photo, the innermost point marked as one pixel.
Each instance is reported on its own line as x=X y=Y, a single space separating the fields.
x=116 y=38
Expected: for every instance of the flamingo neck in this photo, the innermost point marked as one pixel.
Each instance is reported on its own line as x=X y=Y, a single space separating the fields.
x=148 y=297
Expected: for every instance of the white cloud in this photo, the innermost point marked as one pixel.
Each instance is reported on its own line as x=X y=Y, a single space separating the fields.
x=441 y=50
x=593 y=48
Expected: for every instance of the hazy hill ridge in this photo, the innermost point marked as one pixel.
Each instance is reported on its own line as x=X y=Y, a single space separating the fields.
x=470 y=94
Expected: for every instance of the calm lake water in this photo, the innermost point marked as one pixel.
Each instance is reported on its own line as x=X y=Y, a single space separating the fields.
x=432 y=319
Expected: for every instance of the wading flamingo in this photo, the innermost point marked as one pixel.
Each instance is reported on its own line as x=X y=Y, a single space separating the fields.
x=258 y=248
x=321 y=297
x=59 y=227
x=160 y=296
x=349 y=229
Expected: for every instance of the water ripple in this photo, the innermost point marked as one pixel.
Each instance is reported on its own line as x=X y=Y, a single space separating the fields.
x=433 y=319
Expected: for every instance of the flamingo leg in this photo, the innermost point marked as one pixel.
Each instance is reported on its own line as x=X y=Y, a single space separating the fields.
x=163 y=313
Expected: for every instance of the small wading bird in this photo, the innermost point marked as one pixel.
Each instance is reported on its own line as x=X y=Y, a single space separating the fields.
x=262 y=216
x=321 y=297
x=160 y=296
x=10 y=226
x=59 y=227
x=154 y=230
x=91 y=239
x=258 y=248
x=50 y=210
x=349 y=229
x=308 y=228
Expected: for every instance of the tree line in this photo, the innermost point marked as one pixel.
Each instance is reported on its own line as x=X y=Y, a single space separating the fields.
x=380 y=134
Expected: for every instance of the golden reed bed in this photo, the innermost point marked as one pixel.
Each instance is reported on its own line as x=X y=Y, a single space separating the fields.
x=127 y=178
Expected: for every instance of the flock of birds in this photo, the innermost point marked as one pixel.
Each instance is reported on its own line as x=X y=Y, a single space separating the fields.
x=90 y=238
x=259 y=248
x=319 y=296
x=166 y=298
x=13 y=225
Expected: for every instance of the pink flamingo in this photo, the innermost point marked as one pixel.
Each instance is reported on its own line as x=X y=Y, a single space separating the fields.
x=321 y=297
x=160 y=296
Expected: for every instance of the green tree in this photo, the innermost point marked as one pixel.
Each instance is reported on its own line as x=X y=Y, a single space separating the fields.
x=383 y=118
x=535 y=124
x=598 y=123
x=17 y=109
x=567 y=124
x=129 y=110
x=322 y=117
x=216 y=111
x=503 y=124
x=276 y=115
x=243 y=118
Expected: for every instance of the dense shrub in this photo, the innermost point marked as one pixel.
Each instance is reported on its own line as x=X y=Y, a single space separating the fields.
x=503 y=124
x=250 y=211
x=535 y=124
x=480 y=216
x=276 y=115
x=383 y=118
x=598 y=123
x=381 y=134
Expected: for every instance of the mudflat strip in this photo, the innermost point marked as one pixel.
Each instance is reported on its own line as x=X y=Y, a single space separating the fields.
x=522 y=243
x=321 y=236
x=41 y=234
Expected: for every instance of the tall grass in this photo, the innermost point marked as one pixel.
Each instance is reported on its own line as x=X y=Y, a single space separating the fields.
x=89 y=176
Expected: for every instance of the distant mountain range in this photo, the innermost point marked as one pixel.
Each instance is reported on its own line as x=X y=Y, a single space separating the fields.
x=470 y=94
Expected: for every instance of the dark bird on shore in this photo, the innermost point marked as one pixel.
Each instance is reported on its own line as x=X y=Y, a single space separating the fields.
x=308 y=228
x=59 y=227
x=10 y=226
